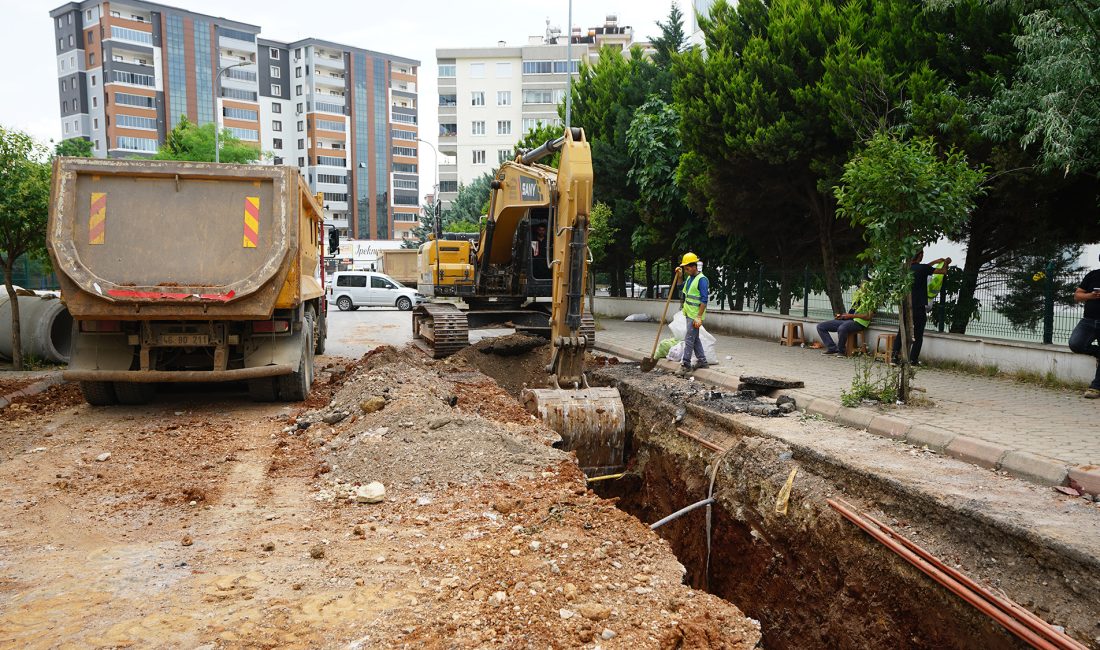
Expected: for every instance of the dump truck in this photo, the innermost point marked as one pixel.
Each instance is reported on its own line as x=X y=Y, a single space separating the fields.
x=401 y=265
x=187 y=272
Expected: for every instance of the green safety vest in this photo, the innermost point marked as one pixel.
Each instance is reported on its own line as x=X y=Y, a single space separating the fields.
x=861 y=305
x=935 y=283
x=691 y=297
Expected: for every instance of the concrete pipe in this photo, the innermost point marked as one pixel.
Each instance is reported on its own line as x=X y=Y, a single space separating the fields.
x=45 y=325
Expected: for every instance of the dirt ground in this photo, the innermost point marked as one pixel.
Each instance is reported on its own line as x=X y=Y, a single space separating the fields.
x=203 y=520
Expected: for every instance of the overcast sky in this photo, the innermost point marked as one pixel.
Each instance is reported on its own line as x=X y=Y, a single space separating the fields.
x=413 y=29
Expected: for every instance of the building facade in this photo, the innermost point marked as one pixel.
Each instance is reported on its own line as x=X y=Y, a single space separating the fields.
x=345 y=116
x=490 y=97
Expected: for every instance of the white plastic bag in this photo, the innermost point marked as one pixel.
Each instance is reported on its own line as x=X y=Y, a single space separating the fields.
x=638 y=318
x=679 y=326
x=676 y=352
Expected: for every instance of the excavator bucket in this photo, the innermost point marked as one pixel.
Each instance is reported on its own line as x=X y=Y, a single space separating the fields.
x=590 y=421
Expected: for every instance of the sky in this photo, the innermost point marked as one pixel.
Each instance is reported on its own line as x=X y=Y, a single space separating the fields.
x=412 y=29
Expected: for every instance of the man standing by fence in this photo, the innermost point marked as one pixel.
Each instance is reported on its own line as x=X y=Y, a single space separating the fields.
x=921 y=273
x=1084 y=336
x=696 y=290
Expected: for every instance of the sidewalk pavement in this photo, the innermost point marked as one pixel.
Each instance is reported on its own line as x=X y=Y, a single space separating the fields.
x=1045 y=435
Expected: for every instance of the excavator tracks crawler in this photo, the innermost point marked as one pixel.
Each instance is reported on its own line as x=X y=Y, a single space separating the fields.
x=588 y=329
x=440 y=329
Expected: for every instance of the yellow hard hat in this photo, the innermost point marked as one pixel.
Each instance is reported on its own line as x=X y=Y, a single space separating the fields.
x=689 y=258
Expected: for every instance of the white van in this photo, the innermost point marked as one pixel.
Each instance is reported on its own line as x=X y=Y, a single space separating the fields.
x=351 y=290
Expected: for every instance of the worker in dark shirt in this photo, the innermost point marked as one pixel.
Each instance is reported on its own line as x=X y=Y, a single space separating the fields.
x=541 y=267
x=1084 y=336
x=921 y=273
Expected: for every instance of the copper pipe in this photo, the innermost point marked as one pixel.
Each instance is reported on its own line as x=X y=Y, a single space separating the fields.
x=975 y=598
x=1007 y=605
x=706 y=443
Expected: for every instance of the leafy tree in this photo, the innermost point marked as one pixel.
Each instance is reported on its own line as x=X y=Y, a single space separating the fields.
x=24 y=204
x=191 y=142
x=672 y=40
x=536 y=137
x=74 y=147
x=903 y=195
x=463 y=215
x=600 y=231
x=1023 y=302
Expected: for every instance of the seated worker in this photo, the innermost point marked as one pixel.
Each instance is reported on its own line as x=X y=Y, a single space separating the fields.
x=540 y=267
x=857 y=319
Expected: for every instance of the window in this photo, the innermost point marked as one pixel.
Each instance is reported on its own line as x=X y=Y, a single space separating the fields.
x=548 y=67
x=276 y=91
x=298 y=90
x=404 y=119
x=301 y=143
x=398 y=134
x=276 y=107
x=243 y=75
x=409 y=152
x=60 y=42
x=378 y=282
x=276 y=125
x=276 y=71
x=240 y=114
x=60 y=24
x=448 y=130
x=504 y=98
x=331 y=161
x=70 y=19
x=91 y=58
x=543 y=96
x=94 y=80
x=301 y=161
x=477 y=127
x=65 y=106
x=479 y=156
x=404 y=168
x=504 y=70
x=277 y=161
x=64 y=65
x=72 y=61
x=298 y=72
x=447 y=70
x=504 y=154
x=404 y=184
x=95 y=102
x=71 y=40
x=504 y=127
x=330 y=125
x=336 y=196
x=132 y=78
x=64 y=85
x=298 y=108
x=136 y=144
x=448 y=186
x=404 y=199
x=66 y=127
x=277 y=143
x=274 y=53
x=251 y=135
x=477 y=98
x=97 y=144
x=301 y=126
x=130 y=35
x=352 y=281
x=448 y=100
x=404 y=216
x=477 y=70
x=134 y=100
x=95 y=122
x=325 y=107
x=135 y=122
x=332 y=178
x=236 y=93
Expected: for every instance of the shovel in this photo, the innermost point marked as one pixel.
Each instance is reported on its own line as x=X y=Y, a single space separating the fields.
x=650 y=362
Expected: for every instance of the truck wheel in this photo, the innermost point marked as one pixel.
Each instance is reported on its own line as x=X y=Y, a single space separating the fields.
x=295 y=387
x=344 y=303
x=98 y=393
x=263 y=389
x=320 y=334
x=404 y=304
x=134 y=394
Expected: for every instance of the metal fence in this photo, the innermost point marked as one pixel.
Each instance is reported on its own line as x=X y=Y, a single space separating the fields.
x=1023 y=305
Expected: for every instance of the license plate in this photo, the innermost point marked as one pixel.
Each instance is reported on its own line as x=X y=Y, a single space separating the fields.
x=184 y=340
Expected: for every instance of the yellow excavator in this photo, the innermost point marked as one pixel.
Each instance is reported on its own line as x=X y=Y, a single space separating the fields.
x=533 y=243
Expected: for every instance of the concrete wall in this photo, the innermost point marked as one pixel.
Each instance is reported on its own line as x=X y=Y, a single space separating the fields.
x=1008 y=356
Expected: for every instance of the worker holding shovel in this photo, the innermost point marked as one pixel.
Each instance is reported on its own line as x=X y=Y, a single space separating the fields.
x=696 y=294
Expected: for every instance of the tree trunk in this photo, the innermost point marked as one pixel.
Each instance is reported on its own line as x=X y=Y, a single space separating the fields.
x=964 y=306
x=649 y=277
x=905 y=318
x=16 y=335
x=784 y=293
x=739 y=290
x=825 y=219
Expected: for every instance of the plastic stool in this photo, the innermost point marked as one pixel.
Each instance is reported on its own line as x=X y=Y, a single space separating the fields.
x=856 y=341
x=887 y=355
x=791 y=334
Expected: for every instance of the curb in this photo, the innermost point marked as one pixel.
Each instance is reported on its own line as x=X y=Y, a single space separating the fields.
x=32 y=389
x=1016 y=462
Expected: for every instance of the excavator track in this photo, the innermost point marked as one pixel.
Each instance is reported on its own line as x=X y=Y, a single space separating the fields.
x=588 y=330
x=440 y=329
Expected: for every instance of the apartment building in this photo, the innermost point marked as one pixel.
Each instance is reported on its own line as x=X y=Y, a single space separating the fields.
x=345 y=116
x=700 y=8
x=489 y=97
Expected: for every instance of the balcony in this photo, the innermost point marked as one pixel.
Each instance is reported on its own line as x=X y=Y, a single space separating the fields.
x=330 y=61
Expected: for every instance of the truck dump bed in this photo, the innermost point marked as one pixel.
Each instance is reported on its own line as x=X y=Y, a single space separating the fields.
x=164 y=239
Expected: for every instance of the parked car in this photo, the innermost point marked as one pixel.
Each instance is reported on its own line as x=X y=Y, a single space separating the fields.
x=351 y=290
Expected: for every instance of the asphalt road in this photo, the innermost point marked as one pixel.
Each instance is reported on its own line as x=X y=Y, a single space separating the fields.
x=354 y=333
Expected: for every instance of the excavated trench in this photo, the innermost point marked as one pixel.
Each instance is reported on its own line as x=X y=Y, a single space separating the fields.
x=811 y=578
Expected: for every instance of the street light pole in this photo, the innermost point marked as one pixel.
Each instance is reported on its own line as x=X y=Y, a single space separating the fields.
x=217 y=106
x=569 y=67
x=435 y=185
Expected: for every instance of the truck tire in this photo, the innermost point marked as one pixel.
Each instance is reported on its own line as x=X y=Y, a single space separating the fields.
x=264 y=389
x=134 y=394
x=343 y=303
x=404 y=304
x=98 y=393
x=320 y=334
x=295 y=387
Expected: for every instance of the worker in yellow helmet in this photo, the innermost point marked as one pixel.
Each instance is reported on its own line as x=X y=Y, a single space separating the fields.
x=696 y=294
